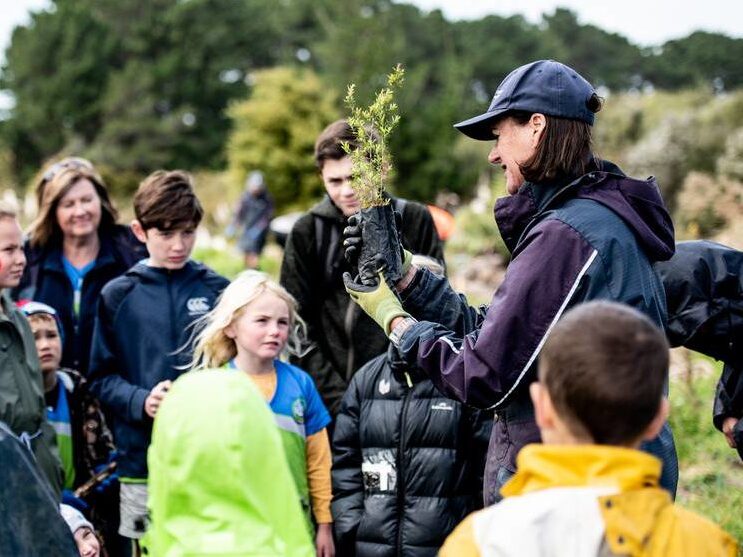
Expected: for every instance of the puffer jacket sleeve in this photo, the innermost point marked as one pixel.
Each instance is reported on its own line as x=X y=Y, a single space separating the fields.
x=729 y=396
x=123 y=398
x=484 y=367
x=348 y=485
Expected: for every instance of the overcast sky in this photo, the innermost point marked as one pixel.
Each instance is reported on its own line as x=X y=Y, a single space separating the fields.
x=644 y=22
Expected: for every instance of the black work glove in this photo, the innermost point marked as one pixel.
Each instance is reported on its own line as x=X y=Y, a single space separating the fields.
x=367 y=263
x=352 y=240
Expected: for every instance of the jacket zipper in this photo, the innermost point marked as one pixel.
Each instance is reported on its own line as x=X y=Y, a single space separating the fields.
x=173 y=334
x=399 y=484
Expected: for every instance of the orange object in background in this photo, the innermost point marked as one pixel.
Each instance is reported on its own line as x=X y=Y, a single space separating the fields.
x=443 y=220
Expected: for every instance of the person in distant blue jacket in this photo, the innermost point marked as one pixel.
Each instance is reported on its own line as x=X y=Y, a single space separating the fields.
x=142 y=326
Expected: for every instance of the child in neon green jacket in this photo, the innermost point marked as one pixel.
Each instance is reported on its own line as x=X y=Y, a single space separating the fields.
x=219 y=482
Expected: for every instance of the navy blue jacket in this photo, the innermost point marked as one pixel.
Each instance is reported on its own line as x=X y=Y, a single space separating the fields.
x=144 y=320
x=44 y=280
x=595 y=237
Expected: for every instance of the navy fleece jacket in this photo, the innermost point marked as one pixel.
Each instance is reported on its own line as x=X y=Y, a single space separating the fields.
x=141 y=336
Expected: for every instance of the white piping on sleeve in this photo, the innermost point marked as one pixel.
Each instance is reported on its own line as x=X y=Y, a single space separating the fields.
x=448 y=341
x=549 y=329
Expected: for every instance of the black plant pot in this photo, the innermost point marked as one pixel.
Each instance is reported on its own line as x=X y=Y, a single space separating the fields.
x=380 y=246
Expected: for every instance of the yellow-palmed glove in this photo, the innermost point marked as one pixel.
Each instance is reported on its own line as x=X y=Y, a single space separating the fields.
x=378 y=301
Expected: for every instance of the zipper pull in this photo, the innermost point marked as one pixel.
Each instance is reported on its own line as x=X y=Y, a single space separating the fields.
x=408 y=380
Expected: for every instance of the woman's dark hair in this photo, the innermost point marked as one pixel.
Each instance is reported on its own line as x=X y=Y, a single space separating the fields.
x=45 y=228
x=565 y=149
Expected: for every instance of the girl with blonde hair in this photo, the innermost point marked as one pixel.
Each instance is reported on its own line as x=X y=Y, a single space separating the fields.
x=254 y=323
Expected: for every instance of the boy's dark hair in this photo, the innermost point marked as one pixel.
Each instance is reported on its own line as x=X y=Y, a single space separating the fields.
x=329 y=144
x=165 y=200
x=604 y=366
x=565 y=149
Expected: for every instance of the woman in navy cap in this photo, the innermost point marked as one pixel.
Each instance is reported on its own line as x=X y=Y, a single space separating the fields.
x=578 y=229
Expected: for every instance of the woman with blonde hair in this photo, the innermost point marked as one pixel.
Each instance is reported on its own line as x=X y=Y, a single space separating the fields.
x=253 y=324
x=74 y=248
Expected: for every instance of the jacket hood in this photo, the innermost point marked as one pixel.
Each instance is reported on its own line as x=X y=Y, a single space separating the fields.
x=158 y=274
x=219 y=483
x=327 y=209
x=703 y=282
x=545 y=466
x=637 y=202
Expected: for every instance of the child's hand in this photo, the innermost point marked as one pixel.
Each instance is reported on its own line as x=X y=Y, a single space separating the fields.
x=155 y=398
x=324 y=541
x=727 y=428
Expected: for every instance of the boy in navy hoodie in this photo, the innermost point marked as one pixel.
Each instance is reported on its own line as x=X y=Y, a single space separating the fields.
x=142 y=326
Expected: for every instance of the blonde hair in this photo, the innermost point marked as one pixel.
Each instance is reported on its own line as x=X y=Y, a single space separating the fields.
x=213 y=348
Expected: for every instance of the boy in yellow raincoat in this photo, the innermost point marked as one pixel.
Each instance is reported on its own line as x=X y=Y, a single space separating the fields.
x=588 y=491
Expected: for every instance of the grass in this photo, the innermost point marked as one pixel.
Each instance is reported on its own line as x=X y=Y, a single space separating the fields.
x=711 y=474
x=229 y=262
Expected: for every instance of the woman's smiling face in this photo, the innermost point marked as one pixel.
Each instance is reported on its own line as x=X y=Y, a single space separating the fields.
x=514 y=145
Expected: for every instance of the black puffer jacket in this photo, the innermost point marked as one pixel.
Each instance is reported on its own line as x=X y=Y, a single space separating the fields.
x=704 y=292
x=407 y=463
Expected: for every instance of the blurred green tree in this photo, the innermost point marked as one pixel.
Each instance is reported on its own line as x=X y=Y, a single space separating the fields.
x=274 y=131
x=74 y=69
x=702 y=58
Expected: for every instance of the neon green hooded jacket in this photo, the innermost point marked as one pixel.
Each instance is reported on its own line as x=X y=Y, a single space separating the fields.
x=219 y=484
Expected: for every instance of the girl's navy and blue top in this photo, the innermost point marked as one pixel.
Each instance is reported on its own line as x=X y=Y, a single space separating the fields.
x=142 y=336
x=595 y=237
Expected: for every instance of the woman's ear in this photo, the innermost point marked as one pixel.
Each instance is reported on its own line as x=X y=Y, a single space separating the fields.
x=537 y=124
x=229 y=331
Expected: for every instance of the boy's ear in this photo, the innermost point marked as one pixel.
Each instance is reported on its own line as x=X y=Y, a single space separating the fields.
x=543 y=410
x=654 y=427
x=139 y=232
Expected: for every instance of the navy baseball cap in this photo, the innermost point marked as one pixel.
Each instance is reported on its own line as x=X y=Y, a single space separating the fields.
x=543 y=86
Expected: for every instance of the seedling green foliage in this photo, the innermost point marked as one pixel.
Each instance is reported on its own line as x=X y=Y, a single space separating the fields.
x=372 y=125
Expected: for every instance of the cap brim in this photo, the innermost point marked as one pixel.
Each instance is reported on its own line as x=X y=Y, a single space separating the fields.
x=480 y=127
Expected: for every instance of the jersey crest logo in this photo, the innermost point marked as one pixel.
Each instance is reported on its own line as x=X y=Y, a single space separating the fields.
x=384 y=386
x=298 y=410
x=197 y=306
